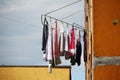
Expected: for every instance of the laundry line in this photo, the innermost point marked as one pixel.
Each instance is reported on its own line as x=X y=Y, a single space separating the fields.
x=75 y=25
x=71 y=14
x=63 y=7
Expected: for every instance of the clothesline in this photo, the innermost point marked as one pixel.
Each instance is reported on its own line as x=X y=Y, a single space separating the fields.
x=71 y=14
x=63 y=7
x=54 y=46
x=77 y=26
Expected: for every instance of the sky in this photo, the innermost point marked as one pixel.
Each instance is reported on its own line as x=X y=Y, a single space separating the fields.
x=21 y=30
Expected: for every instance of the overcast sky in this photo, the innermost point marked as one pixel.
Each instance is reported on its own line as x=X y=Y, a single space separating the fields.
x=21 y=30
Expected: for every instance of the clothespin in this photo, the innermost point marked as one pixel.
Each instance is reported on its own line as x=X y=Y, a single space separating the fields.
x=49 y=68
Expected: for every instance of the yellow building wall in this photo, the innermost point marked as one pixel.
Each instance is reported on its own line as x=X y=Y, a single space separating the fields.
x=34 y=73
x=106 y=34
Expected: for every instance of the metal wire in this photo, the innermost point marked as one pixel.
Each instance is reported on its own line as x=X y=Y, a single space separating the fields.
x=63 y=7
x=71 y=15
x=18 y=21
x=80 y=27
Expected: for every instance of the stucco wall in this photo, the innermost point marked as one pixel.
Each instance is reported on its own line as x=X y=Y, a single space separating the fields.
x=106 y=34
x=107 y=73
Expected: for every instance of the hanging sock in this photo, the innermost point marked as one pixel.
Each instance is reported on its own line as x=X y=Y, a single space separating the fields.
x=72 y=47
x=85 y=47
x=56 y=49
x=78 y=49
x=45 y=38
x=61 y=40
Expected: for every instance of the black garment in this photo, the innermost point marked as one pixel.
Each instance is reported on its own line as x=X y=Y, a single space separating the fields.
x=67 y=55
x=85 y=47
x=84 y=36
x=85 y=50
x=78 y=53
x=72 y=61
x=45 y=34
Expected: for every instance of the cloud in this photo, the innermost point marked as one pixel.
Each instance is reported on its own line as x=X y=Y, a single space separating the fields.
x=25 y=5
x=20 y=43
x=8 y=6
x=20 y=39
x=21 y=49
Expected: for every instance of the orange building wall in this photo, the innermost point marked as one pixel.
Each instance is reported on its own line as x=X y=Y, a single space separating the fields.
x=107 y=73
x=106 y=35
x=34 y=73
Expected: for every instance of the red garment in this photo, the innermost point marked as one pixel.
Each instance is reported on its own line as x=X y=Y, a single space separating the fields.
x=72 y=45
x=56 y=50
x=56 y=41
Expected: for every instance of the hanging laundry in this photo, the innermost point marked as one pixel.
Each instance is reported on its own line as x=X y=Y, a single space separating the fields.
x=67 y=42
x=49 y=44
x=78 y=49
x=52 y=41
x=49 y=48
x=85 y=47
x=72 y=47
x=72 y=44
x=68 y=55
x=56 y=47
x=45 y=34
x=45 y=38
x=61 y=40
x=67 y=46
